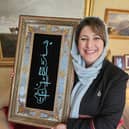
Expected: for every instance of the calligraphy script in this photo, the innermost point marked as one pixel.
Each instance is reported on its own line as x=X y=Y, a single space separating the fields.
x=41 y=90
x=43 y=72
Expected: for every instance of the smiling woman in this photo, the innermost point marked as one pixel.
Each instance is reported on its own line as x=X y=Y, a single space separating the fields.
x=98 y=94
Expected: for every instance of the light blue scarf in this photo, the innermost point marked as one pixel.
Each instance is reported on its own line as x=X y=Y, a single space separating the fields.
x=86 y=75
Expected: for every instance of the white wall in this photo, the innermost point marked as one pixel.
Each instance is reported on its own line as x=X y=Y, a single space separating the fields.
x=11 y=9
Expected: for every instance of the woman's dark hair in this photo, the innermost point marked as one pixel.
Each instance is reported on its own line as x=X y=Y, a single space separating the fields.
x=96 y=24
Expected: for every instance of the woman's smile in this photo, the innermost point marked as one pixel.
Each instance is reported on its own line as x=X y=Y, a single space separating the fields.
x=90 y=51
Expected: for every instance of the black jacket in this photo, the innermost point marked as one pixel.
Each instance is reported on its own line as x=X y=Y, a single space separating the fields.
x=103 y=104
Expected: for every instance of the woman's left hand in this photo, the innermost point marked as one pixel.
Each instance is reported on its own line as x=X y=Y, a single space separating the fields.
x=59 y=126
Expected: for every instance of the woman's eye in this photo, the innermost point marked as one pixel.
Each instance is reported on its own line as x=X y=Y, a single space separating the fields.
x=83 y=39
x=97 y=38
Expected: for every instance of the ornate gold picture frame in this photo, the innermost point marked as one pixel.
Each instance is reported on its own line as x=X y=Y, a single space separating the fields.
x=118 y=23
x=43 y=71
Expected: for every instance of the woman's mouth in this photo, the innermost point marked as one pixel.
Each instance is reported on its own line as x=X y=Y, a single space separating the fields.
x=90 y=51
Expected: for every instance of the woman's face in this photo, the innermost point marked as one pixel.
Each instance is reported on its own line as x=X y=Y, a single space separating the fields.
x=90 y=45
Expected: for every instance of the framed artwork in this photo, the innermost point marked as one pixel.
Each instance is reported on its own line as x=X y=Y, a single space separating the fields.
x=42 y=84
x=118 y=23
x=7 y=49
x=127 y=61
x=119 y=61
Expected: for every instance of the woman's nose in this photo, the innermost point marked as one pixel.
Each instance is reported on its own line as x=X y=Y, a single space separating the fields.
x=89 y=43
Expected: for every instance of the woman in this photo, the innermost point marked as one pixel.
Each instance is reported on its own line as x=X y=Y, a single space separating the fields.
x=98 y=95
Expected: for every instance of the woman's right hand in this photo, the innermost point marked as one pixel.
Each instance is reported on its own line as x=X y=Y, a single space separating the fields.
x=12 y=74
